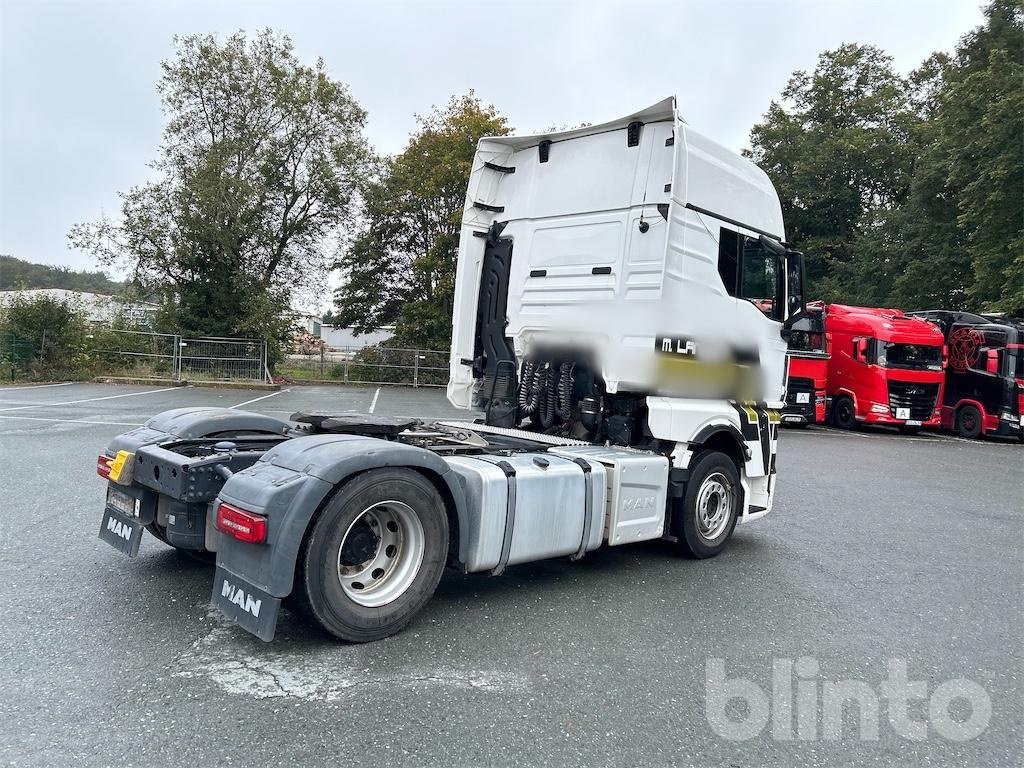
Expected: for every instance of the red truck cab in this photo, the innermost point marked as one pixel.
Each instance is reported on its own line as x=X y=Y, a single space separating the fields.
x=984 y=390
x=807 y=356
x=885 y=368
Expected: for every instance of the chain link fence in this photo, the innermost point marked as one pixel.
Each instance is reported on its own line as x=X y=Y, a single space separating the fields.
x=16 y=355
x=367 y=365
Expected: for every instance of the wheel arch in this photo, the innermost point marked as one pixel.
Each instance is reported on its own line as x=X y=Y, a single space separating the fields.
x=302 y=480
x=725 y=438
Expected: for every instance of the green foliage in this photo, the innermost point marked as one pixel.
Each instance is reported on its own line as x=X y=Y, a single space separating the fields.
x=837 y=148
x=16 y=274
x=401 y=270
x=907 y=191
x=260 y=164
x=42 y=337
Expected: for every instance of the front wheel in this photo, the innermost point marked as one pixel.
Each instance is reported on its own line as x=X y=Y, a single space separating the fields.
x=968 y=422
x=375 y=555
x=844 y=414
x=710 y=505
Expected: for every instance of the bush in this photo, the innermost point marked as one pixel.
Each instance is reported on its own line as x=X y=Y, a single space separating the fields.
x=43 y=337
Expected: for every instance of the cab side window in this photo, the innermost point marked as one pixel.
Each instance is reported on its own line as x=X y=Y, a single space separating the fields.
x=729 y=259
x=750 y=271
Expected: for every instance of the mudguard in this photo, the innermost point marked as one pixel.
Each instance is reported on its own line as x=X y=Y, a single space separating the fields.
x=189 y=423
x=291 y=482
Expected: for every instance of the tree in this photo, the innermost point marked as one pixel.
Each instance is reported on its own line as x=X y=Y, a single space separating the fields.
x=836 y=147
x=259 y=168
x=401 y=270
x=980 y=131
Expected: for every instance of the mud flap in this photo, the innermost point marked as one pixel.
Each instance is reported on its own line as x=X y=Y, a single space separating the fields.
x=253 y=609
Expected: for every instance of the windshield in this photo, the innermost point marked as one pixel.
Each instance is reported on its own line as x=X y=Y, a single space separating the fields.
x=917 y=356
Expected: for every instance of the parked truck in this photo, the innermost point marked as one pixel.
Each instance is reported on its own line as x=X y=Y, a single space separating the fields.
x=807 y=355
x=886 y=368
x=621 y=299
x=984 y=387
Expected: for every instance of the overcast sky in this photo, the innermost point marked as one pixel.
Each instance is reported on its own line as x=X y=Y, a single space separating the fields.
x=81 y=118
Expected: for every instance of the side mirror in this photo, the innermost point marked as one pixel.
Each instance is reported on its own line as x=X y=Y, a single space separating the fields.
x=796 y=285
x=992 y=361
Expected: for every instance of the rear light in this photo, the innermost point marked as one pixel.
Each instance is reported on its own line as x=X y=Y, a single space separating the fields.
x=241 y=525
x=103 y=466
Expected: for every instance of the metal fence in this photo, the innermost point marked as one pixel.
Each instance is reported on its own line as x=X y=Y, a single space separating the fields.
x=164 y=355
x=221 y=359
x=368 y=365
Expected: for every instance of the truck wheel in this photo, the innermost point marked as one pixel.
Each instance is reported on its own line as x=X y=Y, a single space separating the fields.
x=844 y=415
x=710 y=505
x=968 y=422
x=374 y=556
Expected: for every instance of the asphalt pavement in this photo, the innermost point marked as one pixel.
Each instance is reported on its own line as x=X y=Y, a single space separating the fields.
x=883 y=552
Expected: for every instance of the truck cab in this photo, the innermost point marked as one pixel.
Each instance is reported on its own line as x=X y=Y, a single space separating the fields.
x=807 y=353
x=984 y=388
x=621 y=297
x=886 y=368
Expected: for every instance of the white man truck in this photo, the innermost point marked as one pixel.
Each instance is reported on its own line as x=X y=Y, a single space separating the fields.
x=622 y=299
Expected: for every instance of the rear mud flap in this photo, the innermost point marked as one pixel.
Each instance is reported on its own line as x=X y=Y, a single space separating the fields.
x=250 y=607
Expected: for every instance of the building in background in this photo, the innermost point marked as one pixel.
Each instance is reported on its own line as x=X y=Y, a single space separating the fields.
x=97 y=308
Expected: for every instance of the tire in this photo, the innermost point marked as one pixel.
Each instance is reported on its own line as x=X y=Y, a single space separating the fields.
x=844 y=414
x=374 y=555
x=968 y=422
x=710 y=506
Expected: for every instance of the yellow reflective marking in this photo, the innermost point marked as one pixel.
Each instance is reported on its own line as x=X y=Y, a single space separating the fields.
x=117 y=465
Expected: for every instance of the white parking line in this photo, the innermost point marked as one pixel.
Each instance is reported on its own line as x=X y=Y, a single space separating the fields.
x=257 y=399
x=39 y=386
x=90 y=399
x=375 y=396
x=76 y=421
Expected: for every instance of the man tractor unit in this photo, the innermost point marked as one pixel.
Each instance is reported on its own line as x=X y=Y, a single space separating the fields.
x=622 y=302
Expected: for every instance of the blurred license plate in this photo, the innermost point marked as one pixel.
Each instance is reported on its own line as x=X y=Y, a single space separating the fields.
x=913 y=423
x=121 y=501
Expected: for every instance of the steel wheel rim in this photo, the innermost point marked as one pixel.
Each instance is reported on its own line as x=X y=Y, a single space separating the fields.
x=389 y=570
x=714 y=506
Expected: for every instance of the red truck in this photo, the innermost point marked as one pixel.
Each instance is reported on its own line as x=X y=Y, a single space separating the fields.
x=807 y=353
x=984 y=389
x=885 y=368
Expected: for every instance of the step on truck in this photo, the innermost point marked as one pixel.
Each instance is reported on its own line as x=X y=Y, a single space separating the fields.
x=807 y=356
x=622 y=293
x=885 y=368
x=984 y=388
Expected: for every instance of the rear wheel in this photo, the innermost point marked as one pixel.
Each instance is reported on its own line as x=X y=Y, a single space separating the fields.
x=375 y=555
x=710 y=506
x=968 y=421
x=844 y=415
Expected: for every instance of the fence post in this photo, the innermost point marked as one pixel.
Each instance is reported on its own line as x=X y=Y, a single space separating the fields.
x=347 y=353
x=415 y=368
x=322 y=347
